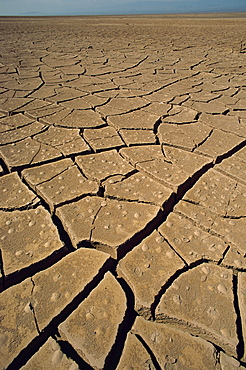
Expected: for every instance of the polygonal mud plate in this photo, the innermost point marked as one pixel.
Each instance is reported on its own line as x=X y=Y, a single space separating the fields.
x=93 y=219
x=213 y=107
x=21 y=133
x=68 y=141
x=18 y=327
x=213 y=191
x=133 y=137
x=147 y=268
x=186 y=115
x=158 y=109
x=226 y=123
x=234 y=258
x=68 y=185
x=141 y=188
x=186 y=161
x=15 y=121
x=151 y=160
x=81 y=119
x=45 y=114
x=200 y=215
x=45 y=172
x=15 y=193
x=78 y=218
x=50 y=356
x=27 y=152
x=134 y=120
x=91 y=329
x=34 y=104
x=65 y=93
x=27 y=237
x=228 y=362
x=233 y=230
x=219 y=143
x=165 y=172
x=134 y=355
x=235 y=166
x=191 y=242
x=78 y=103
x=202 y=301
x=203 y=96
x=121 y=105
x=176 y=349
x=102 y=165
x=103 y=138
x=117 y=222
x=187 y=136
x=58 y=285
x=143 y=153
x=12 y=104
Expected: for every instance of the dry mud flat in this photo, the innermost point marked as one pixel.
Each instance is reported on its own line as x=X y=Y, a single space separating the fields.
x=123 y=193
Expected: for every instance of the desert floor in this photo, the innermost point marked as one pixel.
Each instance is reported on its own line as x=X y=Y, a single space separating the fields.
x=123 y=192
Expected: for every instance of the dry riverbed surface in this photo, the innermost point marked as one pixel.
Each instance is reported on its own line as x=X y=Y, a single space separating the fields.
x=123 y=192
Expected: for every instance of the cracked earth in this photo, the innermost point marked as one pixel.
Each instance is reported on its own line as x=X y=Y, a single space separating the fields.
x=123 y=193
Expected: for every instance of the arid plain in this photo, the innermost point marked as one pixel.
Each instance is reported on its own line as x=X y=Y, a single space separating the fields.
x=123 y=192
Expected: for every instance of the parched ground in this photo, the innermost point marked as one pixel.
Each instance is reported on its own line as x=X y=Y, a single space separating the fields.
x=123 y=192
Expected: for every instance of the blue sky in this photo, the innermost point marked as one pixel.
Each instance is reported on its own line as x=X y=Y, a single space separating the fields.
x=85 y=7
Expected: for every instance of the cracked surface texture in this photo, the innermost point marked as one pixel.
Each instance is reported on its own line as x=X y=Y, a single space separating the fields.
x=123 y=192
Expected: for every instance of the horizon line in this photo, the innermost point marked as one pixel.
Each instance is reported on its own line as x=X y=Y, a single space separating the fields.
x=36 y=14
